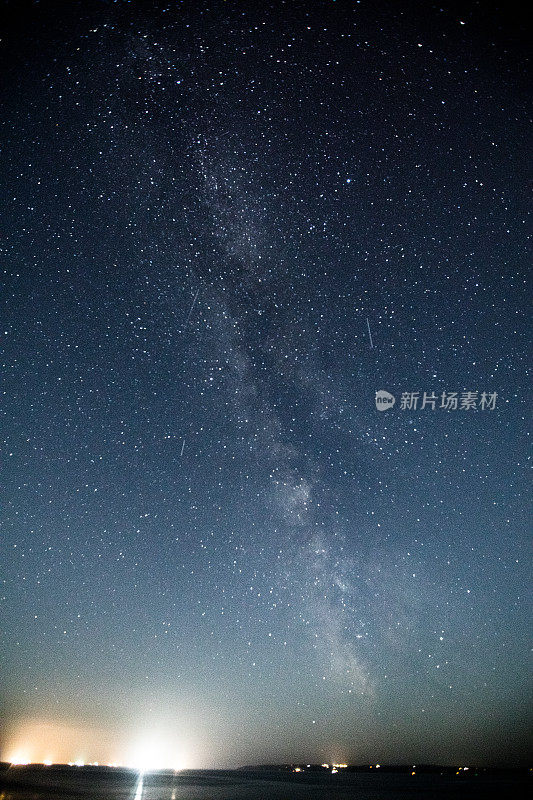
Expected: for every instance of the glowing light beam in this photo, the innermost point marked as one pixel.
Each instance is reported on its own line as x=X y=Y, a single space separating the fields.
x=139 y=788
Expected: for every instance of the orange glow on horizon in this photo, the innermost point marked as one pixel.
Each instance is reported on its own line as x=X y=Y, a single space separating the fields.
x=18 y=760
x=47 y=742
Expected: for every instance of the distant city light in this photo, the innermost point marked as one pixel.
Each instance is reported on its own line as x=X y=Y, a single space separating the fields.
x=19 y=760
x=156 y=752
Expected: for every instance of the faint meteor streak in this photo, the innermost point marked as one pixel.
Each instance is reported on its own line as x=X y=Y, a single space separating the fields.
x=182 y=447
x=191 y=309
x=369 y=334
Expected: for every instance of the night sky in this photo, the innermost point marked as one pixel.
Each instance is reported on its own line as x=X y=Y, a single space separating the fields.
x=225 y=228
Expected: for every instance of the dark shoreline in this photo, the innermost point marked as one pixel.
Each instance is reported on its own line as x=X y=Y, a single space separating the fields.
x=362 y=781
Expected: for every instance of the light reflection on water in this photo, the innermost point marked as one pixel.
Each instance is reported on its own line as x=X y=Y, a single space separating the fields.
x=139 y=789
x=246 y=785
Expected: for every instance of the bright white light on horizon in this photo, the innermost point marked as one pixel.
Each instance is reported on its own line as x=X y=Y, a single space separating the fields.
x=19 y=760
x=156 y=753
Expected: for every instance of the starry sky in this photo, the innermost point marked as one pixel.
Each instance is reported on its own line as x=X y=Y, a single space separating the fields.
x=228 y=225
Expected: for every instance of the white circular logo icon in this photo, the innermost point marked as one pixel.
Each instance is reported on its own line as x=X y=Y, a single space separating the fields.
x=384 y=400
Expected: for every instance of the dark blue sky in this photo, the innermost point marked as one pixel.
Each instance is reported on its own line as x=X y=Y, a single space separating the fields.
x=226 y=228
